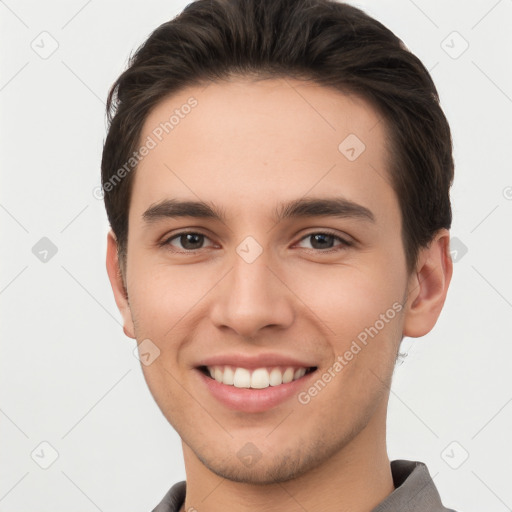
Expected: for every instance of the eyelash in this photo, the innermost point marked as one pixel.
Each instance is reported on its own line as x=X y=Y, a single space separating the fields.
x=342 y=246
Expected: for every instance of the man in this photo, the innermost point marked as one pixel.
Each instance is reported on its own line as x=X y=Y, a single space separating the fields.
x=276 y=176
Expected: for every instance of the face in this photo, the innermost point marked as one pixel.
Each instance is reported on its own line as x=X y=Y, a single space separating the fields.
x=293 y=264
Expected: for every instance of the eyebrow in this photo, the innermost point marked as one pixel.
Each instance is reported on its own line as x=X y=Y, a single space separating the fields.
x=303 y=207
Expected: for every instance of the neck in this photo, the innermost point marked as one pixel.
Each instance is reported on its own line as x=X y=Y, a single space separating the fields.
x=356 y=479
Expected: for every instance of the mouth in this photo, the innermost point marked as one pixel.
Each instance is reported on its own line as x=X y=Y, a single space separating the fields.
x=255 y=378
x=254 y=383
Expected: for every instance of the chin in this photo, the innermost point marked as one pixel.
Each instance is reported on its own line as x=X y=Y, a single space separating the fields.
x=260 y=474
x=269 y=468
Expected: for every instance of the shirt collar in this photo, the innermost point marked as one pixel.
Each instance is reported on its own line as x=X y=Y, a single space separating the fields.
x=414 y=491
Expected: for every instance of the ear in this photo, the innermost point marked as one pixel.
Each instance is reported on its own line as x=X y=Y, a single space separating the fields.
x=116 y=281
x=428 y=286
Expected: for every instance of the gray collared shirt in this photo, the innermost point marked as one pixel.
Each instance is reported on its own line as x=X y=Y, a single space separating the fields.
x=414 y=492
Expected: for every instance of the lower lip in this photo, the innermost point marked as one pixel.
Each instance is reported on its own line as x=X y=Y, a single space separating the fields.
x=254 y=400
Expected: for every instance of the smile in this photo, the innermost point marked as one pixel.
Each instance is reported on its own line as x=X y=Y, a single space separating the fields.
x=258 y=378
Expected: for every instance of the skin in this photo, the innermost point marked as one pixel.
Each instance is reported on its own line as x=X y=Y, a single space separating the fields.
x=247 y=147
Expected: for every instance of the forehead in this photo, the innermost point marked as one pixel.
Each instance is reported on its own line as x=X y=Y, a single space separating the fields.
x=249 y=143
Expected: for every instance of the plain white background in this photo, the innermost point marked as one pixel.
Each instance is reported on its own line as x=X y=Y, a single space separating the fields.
x=69 y=378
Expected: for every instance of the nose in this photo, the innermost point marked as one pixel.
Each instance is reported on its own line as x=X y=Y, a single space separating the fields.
x=251 y=298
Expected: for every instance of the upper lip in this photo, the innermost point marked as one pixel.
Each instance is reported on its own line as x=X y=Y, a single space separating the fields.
x=255 y=361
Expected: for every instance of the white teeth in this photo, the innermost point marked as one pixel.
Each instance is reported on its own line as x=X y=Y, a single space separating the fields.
x=276 y=377
x=242 y=378
x=260 y=378
x=229 y=376
x=288 y=375
x=299 y=373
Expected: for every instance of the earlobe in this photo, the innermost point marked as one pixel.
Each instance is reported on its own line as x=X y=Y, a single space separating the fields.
x=118 y=287
x=428 y=286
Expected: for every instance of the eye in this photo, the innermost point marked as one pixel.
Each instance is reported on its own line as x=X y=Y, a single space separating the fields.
x=321 y=241
x=324 y=241
x=189 y=240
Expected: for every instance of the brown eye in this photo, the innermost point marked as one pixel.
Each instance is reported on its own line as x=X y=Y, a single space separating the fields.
x=325 y=241
x=189 y=241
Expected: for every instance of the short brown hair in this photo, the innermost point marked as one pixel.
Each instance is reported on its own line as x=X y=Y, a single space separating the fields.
x=323 y=41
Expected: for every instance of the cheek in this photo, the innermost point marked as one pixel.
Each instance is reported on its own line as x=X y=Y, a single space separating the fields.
x=345 y=299
x=359 y=312
x=162 y=294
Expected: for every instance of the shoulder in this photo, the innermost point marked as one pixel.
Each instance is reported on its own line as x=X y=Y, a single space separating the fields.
x=414 y=491
x=173 y=499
